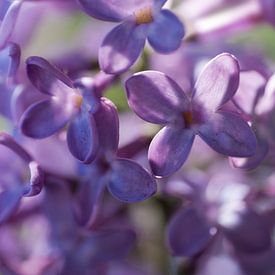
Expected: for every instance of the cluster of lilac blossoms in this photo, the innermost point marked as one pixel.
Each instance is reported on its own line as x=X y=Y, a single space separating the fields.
x=119 y=157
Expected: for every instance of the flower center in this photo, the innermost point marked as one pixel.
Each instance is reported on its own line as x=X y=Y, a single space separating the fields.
x=144 y=16
x=78 y=100
x=188 y=118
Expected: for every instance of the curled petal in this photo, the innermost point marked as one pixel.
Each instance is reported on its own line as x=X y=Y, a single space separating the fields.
x=8 y=22
x=228 y=134
x=155 y=97
x=82 y=137
x=188 y=233
x=166 y=32
x=121 y=48
x=218 y=82
x=130 y=182
x=45 y=118
x=47 y=78
x=108 y=131
x=169 y=149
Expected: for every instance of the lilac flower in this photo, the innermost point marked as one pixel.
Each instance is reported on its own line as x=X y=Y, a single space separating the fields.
x=125 y=179
x=67 y=103
x=156 y=98
x=140 y=20
x=13 y=183
x=220 y=205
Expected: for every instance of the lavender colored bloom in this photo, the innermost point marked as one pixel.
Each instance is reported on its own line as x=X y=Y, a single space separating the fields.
x=67 y=103
x=140 y=20
x=156 y=98
x=219 y=205
x=13 y=184
x=125 y=179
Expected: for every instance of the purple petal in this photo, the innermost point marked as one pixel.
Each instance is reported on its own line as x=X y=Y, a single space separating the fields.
x=43 y=119
x=130 y=182
x=155 y=97
x=228 y=134
x=82 y=137
x=255 y=160
x=8 y=22
x=114 y=10
x=166 y=32
x=249 y=91
x=247 y=230
x=107 y=123
x=47 y=78
x=218 y=82
x=121 y=48
x=188 y=233
x=9 y=201
x=169 y=149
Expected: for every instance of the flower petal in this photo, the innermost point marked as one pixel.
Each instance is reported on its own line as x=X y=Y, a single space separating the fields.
x=188 y=233
x=121 y=48
x=169 y=149
x=228 y=134
x=9 y=201
x=155 y=97
x=107 y=123
x=114 y=10
x=166 y=32
x=255 y=160
x=43 y=119
x=246 y=229
x=218 y=82
x=47 y=78
x=8 y=22
x=82 y=137
x=130 y=182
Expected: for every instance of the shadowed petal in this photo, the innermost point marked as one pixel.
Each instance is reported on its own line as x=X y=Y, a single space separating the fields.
x=218 y=82
x=228 y=134
x=188 y=233
x=130 y=182
x=246 y=229
x=121 y=48
x=166 y=32
x=107 y=124
x=155 y=97
x=169 y=149
x=43 y=119
x=47 y=78
x=82 y=137
x=9 y=201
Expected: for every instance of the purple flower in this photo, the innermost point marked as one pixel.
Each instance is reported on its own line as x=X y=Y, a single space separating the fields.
x=140 y=20
x=66 y=103
x=125 y=179
x=220 y=205
x=12 y=182
x=156 y=98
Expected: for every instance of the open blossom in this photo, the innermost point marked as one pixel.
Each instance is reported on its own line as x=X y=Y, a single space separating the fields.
x=66 y=103
x=140 y=20
x=156 y=98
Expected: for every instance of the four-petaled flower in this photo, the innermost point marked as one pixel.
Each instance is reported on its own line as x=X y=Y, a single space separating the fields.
x=156 y=98
x=140 y=20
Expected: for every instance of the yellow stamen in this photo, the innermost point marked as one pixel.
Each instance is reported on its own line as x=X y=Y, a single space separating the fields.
x=78 y=100
x=144 y=16
x=188 y=118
